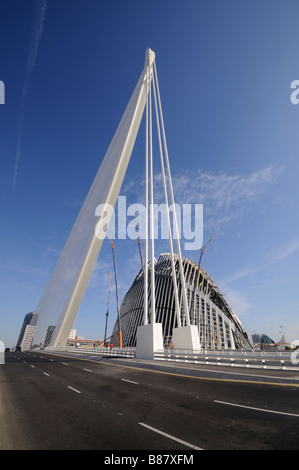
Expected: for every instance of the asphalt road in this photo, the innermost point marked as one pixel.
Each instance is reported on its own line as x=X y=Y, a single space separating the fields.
x=53 y=402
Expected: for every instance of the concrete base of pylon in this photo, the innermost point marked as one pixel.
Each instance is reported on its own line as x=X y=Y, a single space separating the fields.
x=186 y=337
x=149 y=340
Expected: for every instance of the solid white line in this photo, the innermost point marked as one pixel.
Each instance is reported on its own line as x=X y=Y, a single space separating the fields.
x=131 y=381
x=73 y=389
x=171 y=437
x=45 y=373
x=257 y=409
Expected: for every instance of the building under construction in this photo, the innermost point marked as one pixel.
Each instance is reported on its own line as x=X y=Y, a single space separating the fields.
x=218 y=325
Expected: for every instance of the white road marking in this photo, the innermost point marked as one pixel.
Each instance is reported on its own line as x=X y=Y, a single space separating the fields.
x=171 y=437
x=73 y=389
x=45 y=373
x=32 y=366
x=88 y=370
x=64 y=363
x=131 y=381
x=257 y=409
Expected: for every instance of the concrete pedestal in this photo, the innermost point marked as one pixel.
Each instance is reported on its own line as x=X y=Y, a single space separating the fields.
x=149 y=340
x=186 y=337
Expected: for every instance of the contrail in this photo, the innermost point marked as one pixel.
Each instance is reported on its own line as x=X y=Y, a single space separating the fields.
x=36 y=34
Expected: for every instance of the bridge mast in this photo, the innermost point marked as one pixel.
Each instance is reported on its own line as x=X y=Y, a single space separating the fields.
x=71 y=275
x=68 y=283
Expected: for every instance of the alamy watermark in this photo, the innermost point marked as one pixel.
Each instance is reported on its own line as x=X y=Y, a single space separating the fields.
x=189 y=222
x=2 y=92
x=295 y=94
x=295 y=353
x=2 y=348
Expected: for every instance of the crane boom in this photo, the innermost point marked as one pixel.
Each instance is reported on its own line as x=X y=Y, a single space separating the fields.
x=138 y=241
x=117 y=300
x=107 y=314
x=197 y=276
x=203 y=249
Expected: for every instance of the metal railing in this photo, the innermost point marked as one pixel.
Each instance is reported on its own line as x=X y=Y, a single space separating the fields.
x=94 y=351
x=280 y=360
x=236 y=358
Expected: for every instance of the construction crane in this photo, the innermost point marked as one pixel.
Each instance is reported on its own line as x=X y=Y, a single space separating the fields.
x=203 y=249
x=138 y=241
x=198 y=271
x=120 y=342
x=107 y=314
x=215 y=336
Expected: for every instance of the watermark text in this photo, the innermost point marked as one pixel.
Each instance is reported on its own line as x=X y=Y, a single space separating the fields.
x=188 y=226
x=2 y=347
x=295 y=94
x=2 y=92
x=295 y=353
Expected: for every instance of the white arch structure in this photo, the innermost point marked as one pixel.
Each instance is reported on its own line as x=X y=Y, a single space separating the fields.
x=64 y=292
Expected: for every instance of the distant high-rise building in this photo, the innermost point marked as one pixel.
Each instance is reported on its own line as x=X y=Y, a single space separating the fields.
x=49 y=333
x=256 y=338
x=27 y=331
x=72 y=334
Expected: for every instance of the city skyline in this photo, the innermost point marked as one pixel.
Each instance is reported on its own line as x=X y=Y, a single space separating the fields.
x=225 y=74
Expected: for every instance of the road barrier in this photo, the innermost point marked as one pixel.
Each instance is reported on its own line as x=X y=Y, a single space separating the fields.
x=95 y=351
x=235 y=358
x=279 y=360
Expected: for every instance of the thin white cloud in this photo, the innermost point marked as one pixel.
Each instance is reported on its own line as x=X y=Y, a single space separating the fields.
x=238 y=301
x=270 y=260
x=225 y=197
x=286 y=251
x=36 y=34
x=240 y=274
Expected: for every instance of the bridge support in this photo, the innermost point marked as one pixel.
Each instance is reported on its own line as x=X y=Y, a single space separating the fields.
x=186 y=337
x=149 y=340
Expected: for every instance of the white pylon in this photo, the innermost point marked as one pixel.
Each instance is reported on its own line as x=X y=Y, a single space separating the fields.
x=64 y=292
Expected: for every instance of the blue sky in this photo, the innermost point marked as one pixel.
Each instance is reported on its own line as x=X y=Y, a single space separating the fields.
x=225 y=69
